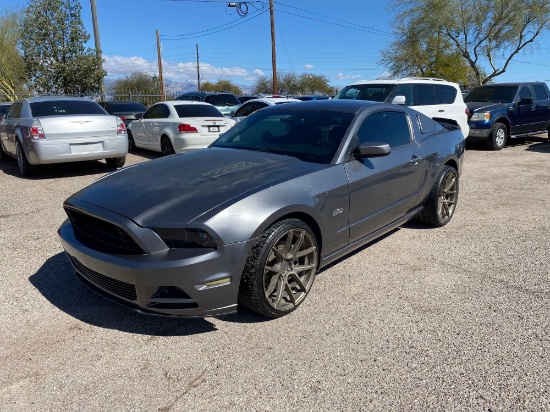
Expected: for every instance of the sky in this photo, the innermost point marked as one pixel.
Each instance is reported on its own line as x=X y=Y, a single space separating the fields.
x=341 y=40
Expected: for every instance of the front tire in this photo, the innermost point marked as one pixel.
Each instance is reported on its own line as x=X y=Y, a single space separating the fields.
x=25 y=168
x=441 y=204
x=280 y=270
x=116 y=162
x=497 y=137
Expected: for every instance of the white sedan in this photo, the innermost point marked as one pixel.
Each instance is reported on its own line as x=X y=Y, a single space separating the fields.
x=177 y=127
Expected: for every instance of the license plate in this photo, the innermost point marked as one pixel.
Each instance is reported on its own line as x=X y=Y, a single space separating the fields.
x=86 y=148
x=213 y=128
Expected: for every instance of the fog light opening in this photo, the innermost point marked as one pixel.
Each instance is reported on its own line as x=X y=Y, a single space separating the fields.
x=218 y=282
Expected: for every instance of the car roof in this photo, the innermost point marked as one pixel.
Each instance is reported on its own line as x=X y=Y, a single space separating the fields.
x=347 y=106
x=203 y=93
x=275 y=100
x=53 y=98
x=510 y=84
x=407 y=80
x=184 y=102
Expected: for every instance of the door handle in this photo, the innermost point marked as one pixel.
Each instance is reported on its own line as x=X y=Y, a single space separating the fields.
x=441 y=110
x=415 y=160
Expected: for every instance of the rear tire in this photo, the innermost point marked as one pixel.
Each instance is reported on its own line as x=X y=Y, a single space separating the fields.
x=441 y=204
x=25 y=168
x=116 y=162
x=166 y=146
x=498 y=136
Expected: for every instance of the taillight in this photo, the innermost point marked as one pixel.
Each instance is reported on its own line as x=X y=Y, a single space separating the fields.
x=36 y=131
x=120 y=126
x=187 y=128
x=467 y=111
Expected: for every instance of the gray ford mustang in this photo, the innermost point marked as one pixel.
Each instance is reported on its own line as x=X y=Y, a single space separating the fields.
x=252 y=218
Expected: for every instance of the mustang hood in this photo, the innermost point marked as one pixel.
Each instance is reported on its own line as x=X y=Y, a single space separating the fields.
x=177 y=189
x=484 y=106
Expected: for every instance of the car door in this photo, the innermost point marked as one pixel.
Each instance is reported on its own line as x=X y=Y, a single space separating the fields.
x=142 y=130
x=524 y=118
x=383 y=189
x=10 y=125
x=158 y=125
x=542 y=106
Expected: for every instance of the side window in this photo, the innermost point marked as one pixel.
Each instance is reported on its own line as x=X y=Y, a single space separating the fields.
x=164 y=111
x=540 y=92
x=406 y=90
x=425 y=95
x=386 y=127
x=447 y=93
x=260 y=105
x=153 y=113
x=15 y=111
x=195 y=98
x=245 y=110
x=525 y=91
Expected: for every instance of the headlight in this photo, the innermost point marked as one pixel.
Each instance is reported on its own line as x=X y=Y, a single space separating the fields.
x=481 y=116
x=186 y=238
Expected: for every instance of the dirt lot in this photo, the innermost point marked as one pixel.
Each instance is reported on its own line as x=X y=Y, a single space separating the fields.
x=456 y=318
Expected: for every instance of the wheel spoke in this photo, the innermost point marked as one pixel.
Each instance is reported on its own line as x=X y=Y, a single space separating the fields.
x=288 y=243
x=305 y=252
x=290 y=294
x=301 y=268
x=298 y=281
x=297 y=246
x=450 y=182
x=277 y=252
x=280 y=288
x=272 y=285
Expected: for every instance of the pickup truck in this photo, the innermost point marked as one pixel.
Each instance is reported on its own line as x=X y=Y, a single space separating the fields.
x=504 y=111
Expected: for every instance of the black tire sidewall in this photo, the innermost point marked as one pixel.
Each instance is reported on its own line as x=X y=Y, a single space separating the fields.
x=492 y=138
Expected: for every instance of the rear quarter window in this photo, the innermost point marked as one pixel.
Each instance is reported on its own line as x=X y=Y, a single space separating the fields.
x=446 y=93
x=540 y=92
x=426 y=95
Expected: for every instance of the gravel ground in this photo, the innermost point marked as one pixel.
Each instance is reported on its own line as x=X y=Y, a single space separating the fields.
x=453 y=319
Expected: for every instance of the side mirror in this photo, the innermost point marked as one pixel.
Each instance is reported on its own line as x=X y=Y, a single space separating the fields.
x=139 y=116
x=398 y=100
x=371 y=149
x=525 y=101
x=232 y=113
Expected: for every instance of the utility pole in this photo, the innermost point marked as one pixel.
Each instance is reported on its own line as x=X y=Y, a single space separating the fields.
x=98 y=45
x=198 y=70
x=161 y=80
x=273 y=52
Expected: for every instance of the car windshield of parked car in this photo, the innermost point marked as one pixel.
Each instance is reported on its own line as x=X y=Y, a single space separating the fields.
x=501 y=94
x=65 y=108
x=309 y=135
x=222 y=100
x=197 y=110
x=373 y=92
x=125 y=107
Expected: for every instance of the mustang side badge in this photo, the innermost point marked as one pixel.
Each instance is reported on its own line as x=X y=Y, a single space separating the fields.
x=338 y=211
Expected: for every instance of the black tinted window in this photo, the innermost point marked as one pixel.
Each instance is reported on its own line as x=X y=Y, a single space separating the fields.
x=222 y=100
x=425 y=95
x=525 y=91
x=446 y=93
x=245 y=109
x=4 y=109
x=385 y=127
x=197 y=110
x=15 y=111
x=406 y=90
x=158 y=111
x=540 y=92
x=502 y=94
x=374 y=92
x=65 y=108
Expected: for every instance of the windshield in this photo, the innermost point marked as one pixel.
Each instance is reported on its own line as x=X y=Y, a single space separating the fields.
x=222 y=100
x=373 y=92
x=309 y=135
x=501 y=94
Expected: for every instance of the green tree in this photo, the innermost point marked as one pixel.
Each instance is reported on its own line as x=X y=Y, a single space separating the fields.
x=136 y=81
x=486 y=33
x=54 y=53
x=291 y=83
x=221 y=86
x=12 y=69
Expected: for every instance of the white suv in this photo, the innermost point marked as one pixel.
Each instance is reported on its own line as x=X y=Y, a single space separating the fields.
x=436 y=98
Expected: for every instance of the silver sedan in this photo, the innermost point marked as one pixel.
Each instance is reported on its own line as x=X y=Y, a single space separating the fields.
x=42 y=130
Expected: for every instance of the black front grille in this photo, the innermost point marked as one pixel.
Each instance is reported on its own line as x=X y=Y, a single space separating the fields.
x=110 y=285
x=100 y=235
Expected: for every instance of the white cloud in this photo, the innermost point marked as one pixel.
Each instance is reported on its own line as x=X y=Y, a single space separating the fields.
x=308 y=66
x=342 y=76
x=180 y=72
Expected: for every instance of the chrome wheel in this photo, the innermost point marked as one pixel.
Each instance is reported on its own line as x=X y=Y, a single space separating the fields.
x=500 y=137
x=290 y=269
x=448 y=193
